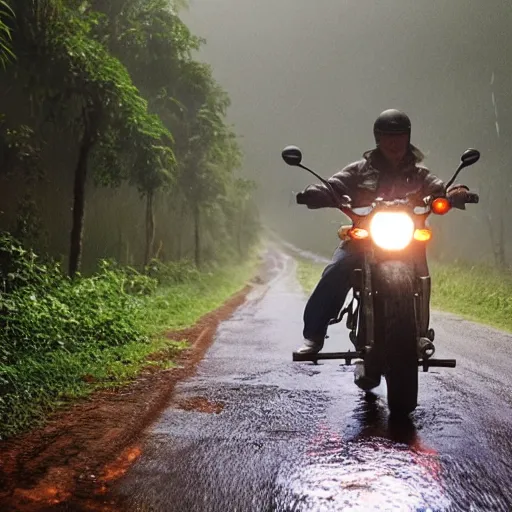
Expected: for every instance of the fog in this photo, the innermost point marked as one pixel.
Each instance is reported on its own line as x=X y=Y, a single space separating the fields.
x=316 y=74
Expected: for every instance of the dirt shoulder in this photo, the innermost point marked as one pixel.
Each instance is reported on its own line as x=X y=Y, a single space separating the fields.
x=92 y=443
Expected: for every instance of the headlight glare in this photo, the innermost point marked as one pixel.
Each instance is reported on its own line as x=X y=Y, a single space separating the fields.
x=392 y=231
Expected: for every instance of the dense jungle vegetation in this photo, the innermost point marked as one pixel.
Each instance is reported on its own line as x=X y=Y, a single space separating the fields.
x=121 y=191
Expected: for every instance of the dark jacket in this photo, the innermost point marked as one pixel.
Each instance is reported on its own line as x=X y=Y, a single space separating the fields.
x=371 y=177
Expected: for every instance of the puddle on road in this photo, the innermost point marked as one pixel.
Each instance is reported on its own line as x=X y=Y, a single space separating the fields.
x=369 y=475
x=200 y=404
x=373 y=465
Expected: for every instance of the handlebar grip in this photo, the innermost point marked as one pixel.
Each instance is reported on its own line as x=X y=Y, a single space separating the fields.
x=472 y=198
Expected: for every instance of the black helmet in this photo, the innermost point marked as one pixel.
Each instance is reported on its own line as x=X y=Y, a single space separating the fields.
x=392 y=121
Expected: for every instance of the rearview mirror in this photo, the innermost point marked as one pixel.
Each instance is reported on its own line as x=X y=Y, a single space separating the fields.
x=292 y=155
x=470 y=157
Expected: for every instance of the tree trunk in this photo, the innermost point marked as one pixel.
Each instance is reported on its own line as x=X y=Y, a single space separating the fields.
x=179 y=235
x=180 y=229
x=497 y=240
x=502 y=260
x=495 y=218
x=150 y=227
x=240 y=230
x=75 y=250
x=120 y=246
x=128 y=256
x=196 y=236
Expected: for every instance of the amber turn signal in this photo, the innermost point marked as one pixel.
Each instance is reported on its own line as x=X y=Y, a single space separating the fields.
x=422 y=235
x=358 y=234
x=441 y=206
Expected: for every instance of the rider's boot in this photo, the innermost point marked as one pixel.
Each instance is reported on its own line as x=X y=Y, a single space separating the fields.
x=311 y=346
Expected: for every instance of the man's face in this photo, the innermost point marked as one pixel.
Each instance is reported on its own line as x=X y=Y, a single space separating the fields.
x=394 y=146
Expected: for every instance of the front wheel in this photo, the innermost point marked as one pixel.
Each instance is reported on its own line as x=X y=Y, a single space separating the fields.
x=395 y=334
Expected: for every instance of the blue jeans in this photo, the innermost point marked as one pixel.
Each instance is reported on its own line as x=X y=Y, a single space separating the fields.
x=331 y=291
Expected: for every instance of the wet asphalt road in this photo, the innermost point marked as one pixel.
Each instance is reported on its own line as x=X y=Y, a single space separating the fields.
x=297 y=437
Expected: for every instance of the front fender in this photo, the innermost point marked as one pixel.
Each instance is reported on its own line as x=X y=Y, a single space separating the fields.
x=393 y=278
x=387 y=289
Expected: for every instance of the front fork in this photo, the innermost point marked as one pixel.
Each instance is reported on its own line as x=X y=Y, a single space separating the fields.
x=423 y=306
x=364 y=297
x=361 y=324
x=426 y=347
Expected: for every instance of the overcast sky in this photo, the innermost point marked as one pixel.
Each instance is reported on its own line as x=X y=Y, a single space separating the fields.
x=317 y=73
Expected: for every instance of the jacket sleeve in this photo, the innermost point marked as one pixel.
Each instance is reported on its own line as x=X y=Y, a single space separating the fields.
x=319 y=195
x=431 y=185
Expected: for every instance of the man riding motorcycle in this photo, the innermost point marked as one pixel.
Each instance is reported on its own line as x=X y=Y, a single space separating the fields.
x=389 y=171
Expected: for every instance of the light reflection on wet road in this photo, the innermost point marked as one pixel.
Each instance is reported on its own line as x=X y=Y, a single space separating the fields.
x=297 y=437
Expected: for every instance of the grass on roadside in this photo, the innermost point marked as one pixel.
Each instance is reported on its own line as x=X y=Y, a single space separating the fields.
x=308 y=274
x=62 y=339
x=177 y=305
x=478 y=292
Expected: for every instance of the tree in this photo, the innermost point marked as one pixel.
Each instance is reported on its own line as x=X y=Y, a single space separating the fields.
x=94 y=95
x=20 y=160
x=495 y=214
x=151 y=174
x=114 y=80
x=152 y=42
x=6 y=54
x=185 y=96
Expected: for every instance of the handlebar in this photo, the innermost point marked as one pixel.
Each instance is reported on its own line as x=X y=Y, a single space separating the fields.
x=472 y=198
x=420 y=207
x=367 y=209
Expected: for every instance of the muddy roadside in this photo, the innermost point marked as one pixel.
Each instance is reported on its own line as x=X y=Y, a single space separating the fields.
x=84 y=448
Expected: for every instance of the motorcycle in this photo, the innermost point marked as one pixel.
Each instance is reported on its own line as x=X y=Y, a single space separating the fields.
x=389 y=314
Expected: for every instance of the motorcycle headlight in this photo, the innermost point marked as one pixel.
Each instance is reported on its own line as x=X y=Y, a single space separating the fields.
x=392 y=231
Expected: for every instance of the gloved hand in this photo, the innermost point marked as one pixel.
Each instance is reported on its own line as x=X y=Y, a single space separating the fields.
x=315 y=197
x=472 y=197
x=459 y=196
x=301 y=197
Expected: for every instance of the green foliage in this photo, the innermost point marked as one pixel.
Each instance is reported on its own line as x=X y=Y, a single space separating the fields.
x=117 y=81
x=112 y=88
x=6 y=54
x=177 y=306
x=105 y=86
x=87 y=84
x=62 y=338
x=29 y=229
x=42 y=311
x=20 y=152
x=20 y=161
x=50 y=323
x=173 y=272
x=182 y=92
x=39 y=384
